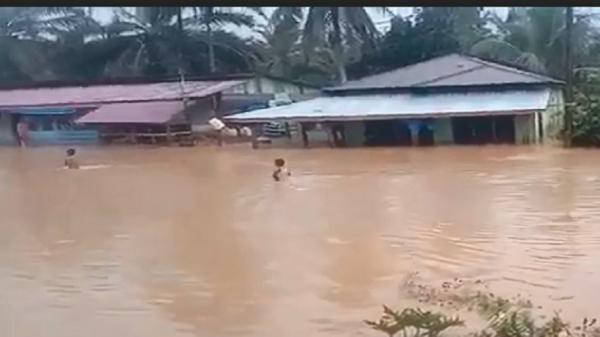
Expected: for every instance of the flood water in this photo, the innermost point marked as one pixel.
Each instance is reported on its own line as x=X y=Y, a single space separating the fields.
x=201 y=241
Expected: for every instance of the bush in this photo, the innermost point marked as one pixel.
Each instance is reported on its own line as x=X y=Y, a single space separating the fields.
x=503 y=317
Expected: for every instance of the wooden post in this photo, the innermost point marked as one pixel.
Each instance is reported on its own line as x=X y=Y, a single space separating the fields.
x=254 y=129
x=536 y=128
x=413 y=127
x=304 y=135
x=220 y=137
x=169 y=135
x=287 y=130
x=132 y=137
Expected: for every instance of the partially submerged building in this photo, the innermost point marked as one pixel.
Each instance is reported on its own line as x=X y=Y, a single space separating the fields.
x=454 y=99
x=133 y=111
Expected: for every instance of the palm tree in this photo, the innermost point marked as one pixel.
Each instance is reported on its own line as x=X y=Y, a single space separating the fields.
x=335 y=33
x=157 y=42
x=534 y=37
x=339 y=29
x=279 y=50
x=215 y=17
x=25 y=42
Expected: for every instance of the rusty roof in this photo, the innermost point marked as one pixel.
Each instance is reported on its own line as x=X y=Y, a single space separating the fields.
x=116 y=93
x=452 y=70
x=133 y=113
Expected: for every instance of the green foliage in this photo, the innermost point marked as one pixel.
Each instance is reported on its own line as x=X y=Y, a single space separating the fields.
x=413 y=322
x=534 y=38
x=434 y=31
x=319 y=44
x=502 y=317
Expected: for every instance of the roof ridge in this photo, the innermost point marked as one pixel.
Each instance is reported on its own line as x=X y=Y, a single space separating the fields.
x=510 y=69
x=443 y=77
x=408 y=66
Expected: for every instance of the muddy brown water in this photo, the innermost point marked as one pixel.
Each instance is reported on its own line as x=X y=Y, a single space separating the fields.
x=201 y=241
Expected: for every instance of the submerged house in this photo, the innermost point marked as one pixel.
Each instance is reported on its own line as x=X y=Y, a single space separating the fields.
x=453 y=99
x=132 y=110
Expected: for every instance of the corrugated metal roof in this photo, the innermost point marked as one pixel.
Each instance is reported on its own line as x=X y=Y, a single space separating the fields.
x=133 y=113
x=101 y=94
x=449 y=70
x=402 y=106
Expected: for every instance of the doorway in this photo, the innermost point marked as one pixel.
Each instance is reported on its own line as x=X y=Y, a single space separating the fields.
x=391 y=132
x=484 y=130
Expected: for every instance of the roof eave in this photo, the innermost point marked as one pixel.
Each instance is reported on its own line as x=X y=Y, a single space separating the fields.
x=232 y=119
x=441 y=87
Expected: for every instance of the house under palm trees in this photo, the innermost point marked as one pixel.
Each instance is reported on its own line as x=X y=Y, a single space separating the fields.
x=136 y=110
x=451 y=99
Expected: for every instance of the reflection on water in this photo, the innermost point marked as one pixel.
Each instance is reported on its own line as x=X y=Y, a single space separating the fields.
x=202 y=242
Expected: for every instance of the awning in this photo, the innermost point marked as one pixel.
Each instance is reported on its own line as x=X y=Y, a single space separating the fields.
x=372 y=107
x=134 y=113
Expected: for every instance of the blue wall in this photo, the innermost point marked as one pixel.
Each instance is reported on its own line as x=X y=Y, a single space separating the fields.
x=63 y=137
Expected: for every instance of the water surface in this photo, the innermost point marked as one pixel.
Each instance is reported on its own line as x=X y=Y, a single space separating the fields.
x=201 y=242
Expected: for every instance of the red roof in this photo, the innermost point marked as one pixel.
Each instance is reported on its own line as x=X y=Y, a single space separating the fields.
x=119 y=93
x=142 y=113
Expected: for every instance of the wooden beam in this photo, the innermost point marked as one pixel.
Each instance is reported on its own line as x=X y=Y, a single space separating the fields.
x=304 y=135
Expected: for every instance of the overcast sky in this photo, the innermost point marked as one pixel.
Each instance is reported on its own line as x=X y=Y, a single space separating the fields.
x=105 y=14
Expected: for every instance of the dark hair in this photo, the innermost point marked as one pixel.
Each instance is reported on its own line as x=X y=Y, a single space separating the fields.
x=70 y=152
x=279 y=162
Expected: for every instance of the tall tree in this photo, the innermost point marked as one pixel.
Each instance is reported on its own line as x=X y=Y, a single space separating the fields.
x=569 y=77
x=340 y=30
x=25 y=43
x=430 y=32
x=534 y=37
x=211 y=18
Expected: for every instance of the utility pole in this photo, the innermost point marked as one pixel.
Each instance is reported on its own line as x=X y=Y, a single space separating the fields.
x=569 y=101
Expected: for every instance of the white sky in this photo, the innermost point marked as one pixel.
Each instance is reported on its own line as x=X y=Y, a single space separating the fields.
x=105 y=14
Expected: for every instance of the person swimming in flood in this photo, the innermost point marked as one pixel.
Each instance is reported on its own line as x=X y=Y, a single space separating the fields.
x=71 y=161
x=281 y=170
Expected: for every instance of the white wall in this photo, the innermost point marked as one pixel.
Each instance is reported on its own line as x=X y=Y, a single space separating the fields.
x=262 y=85
x=524 y=129
x=354 y=133
x=442 y=131
x=552 y=117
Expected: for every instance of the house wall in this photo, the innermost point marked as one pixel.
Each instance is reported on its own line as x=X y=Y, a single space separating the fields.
x=524 y=129
x=354 y=133
x=200 y=113
x=442 y=131
x=552 y=117
x=262 y=85
x=6 y=133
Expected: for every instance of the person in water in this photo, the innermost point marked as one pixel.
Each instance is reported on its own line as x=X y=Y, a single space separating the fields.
x=280 y=170
x=70 y=161
x=23 y=132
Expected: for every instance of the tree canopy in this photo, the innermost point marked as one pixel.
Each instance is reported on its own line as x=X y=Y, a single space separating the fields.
x=323 y=45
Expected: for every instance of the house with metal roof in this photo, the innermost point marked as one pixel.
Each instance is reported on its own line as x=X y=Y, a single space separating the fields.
x=453 y=99
x=59 y=113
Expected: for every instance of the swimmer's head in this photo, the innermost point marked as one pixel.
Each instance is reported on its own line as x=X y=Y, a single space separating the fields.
x=279 y=162
x=70 y=152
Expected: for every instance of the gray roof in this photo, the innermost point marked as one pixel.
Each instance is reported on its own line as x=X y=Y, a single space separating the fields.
x=403 y=105
x=446 y=71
